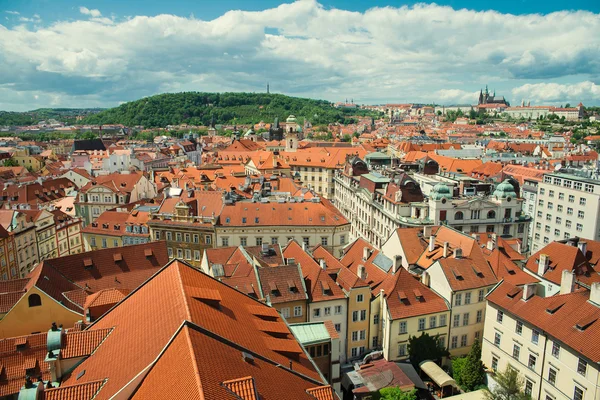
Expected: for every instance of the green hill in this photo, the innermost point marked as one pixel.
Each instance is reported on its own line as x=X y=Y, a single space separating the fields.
x=196 y=108
x=12 y=118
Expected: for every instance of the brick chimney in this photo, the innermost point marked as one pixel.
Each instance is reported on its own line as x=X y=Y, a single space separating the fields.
x=543 y=263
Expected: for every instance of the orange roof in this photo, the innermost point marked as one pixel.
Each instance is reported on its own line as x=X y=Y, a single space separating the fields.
x=573 y=309
x=175 y=316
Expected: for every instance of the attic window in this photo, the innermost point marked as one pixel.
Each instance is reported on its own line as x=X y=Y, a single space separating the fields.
x=79 y=375
x=418 y=294
x=256 y=220
x=477 y=271
x=148 y=252
x=273 y=288
x=21 y=343
x=292 y=287
x=117 y=257
x=88 y=263
x=513 y=292
x=210 y=297
x=326 y=287
x=457 y=274
x=402 y=295
x=554 y=307
x=583 y=323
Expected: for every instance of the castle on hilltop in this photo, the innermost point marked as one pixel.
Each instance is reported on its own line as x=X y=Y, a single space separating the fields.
x=487 y=98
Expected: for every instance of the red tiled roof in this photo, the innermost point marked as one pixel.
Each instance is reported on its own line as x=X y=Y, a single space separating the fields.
x=560 y=324
x=283 y=283
x=83 y=391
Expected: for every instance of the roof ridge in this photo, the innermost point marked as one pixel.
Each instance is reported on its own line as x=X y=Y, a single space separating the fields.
x=188 y=340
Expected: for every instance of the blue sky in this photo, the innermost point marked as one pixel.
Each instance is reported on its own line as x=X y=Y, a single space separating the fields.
x=69 y=53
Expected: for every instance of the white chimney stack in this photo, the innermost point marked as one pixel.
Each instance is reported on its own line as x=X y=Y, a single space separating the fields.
x=397 y=263
x=543 y=263
x=445 y=249
x=366 y=253
x=431 y=243
x=582 y=245
x=595 y=293
x=362 y=272
x=528 y=291
x=427 y=231
x=322 y=264
x=425 y=278
x=303 y=246
x=567 y=282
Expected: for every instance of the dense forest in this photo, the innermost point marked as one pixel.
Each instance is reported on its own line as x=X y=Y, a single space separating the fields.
x=226 y=108
x=67 y=115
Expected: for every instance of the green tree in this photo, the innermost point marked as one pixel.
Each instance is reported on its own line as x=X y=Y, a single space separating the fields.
x=346 y=138
x=509 y=386
x=458 y=366
x=9 y=162
x=395 y=393
x=425 y=347
x=473 y=373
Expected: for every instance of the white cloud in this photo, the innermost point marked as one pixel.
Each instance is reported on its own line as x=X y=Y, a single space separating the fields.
x=92 y=13
x=558 y=93
x=13 y=12
x=423 y=53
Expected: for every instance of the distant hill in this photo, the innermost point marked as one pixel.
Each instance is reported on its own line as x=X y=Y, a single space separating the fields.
x=196 y=108
x=43 y=114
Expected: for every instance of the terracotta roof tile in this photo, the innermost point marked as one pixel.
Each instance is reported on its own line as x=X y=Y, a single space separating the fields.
x=83 y=391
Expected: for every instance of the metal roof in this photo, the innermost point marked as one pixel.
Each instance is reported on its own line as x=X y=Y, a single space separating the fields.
x=310 y=332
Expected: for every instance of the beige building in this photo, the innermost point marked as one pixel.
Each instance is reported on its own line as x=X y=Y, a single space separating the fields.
x=553 y=342
x=68 y=234
x=45 y=231
x=25 y=239
x=312 y=223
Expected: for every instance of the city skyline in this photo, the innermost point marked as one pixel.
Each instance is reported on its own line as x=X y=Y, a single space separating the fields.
x=77 y=54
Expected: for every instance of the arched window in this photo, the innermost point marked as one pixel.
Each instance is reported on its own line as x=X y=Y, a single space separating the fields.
x=491 y=214
x=459 y=215
x=34 y=300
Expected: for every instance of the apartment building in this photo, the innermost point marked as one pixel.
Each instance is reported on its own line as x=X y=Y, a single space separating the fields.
x=568 y=205
x=551 y=341
x=8 y=259
x=377 y=205
x=45 y=230
x=111 y=191
x=186 y=220
x=68 y=233
x=314 y=222
x=22 y=229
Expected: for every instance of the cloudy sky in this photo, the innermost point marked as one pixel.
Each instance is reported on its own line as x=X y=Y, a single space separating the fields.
x=69 y=53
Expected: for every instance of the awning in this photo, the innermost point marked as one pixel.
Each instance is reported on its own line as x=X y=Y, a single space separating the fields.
x=437 y=374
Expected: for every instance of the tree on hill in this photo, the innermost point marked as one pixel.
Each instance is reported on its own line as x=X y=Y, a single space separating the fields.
x=509 y=386
x=426 y=347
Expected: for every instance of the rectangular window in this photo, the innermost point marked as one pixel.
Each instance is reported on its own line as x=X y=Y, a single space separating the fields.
x=375 y=342
x=494 y=364
x=317 y=312
x=582 y=367
x=535 y=336
x=580 y=214
x=354 y=316
x=157 y=235
x=516 y=351
x=402 y=350
x=180 y=253
x=421 y=324
x=362 y=334
x=519 y=328
x=456 y=321
x=285 y=312
x=363 y=315
x=468 y=298
x=497 y=338
x=578 y=393
x=338 y=327
x=170 y=251
x=579 y=227
x=463 y=341
x=188 y=254
x=552 y=376
x=528 y=387
x=196 y=255
x=187 y=237
x=443 y=320
x=324 y=241
x=376 y=319
x=555 y=349
x=479 y=316
x=500 y=316
x=327 y=311
x=259 y=241
x=465 y=319
x=104 y=243
x=458 y=299
x=197 y=239
x=208 y=239
x=178 y=236
x=274 y=240
x=243 y=241
x=480 y=295
x=306 y=241
x=225 y=241
x=532 y=361
x=355 y=336
x=402 y=327
x=359 y=298
x=337 y=310
x=559 y=208
x=297 y=311
x=432 y=322
x=571 y=198
x=454 y=342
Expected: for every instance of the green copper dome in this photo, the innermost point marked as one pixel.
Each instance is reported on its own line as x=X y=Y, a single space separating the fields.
x=505 y=190
x=441 y=191
x=291 y=119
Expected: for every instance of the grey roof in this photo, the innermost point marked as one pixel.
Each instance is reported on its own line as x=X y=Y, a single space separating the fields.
x=376 y=177
x=383 y=262
x=412 y=374
x=461 y=153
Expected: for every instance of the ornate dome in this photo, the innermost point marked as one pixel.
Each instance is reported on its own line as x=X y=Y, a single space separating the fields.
x=441 y=191
x=291 y=119
x=249 y=132
x=505 y=190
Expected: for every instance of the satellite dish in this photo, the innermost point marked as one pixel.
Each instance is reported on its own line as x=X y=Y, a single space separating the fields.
x=558 y=167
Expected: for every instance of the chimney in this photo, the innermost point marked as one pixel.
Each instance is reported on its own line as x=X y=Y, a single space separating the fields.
x=567 y=282
x=303 y=246
x=595 y=293
x=431 y=242
x=528 y=291
x=397 y=263
x=458 y=252
x=582 y=246
x=362 y=272
x=491 y=245
x=366 y=253
x=427 y=231
x=425 y=278
x=445 y=249
x=543 y=263
x=322 y=264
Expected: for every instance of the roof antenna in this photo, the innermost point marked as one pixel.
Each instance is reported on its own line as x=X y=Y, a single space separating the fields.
x=291 y=365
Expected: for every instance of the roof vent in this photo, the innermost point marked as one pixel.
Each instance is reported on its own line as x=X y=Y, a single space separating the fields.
x=148 y=252
x=117 y=257
x=513 y=292
x=249 y=358
x=88 y=263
